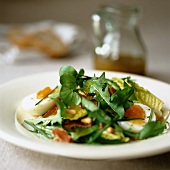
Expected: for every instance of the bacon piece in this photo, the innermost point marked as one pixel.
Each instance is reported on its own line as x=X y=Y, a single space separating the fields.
x=61 y=135
x=95 y=102
x=111 y=90
x=71 y=125
x=50 y=112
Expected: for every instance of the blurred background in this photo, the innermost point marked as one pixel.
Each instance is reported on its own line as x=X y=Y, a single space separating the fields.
x=154 y=25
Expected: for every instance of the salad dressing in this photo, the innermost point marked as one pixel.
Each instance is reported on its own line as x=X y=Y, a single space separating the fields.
x=140 y=122
x=124 y=63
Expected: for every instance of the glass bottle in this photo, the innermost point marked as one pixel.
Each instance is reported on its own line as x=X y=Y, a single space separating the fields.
x=118 y=42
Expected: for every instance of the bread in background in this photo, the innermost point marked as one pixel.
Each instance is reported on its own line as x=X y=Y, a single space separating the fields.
x=47 y=41
x=44 y=40
x=19 y=37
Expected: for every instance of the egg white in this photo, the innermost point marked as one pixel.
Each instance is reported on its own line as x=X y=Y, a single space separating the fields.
x=137 y=125
x=29 y=105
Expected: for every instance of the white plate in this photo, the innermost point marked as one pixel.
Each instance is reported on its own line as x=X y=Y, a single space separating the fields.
x=13 y=92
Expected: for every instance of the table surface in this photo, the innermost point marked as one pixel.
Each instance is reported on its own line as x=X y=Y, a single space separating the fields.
x=14 y=157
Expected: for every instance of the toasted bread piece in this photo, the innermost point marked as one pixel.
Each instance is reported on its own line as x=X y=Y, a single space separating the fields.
x=47 y=41
x=19 y=37
x=44 y=40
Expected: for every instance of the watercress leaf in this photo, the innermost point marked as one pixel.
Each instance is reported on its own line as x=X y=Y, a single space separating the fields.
x=128 y=82
x=116 y=118
x=133 y=97
x=96 y=135
x=69 y=96
x=88 y=88
x=100 y=116
x=101 y=80
x=67 y=69
x=81 y=73
x=128 y=104
x=87 y=85
x=80 y=78
x=105 y=96
x=113 y=84
x=122 y=96
x=67 y=93
x=103 y=93
x=54 y=95
x=131 y=134
x=89 y=105
x=152 y=129
x=68 y=80
x=119 y=109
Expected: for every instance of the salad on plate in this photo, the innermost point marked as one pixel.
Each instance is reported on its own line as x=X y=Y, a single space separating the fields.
x=93 y=110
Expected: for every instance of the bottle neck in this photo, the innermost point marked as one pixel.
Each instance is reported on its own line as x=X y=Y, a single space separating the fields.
x=124 y=15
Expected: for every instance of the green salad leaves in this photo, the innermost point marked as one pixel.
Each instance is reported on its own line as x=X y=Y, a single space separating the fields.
x=89 y=109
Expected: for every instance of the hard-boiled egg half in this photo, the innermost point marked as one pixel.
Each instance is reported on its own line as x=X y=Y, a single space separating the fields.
x=30 y=106
x=136 y=125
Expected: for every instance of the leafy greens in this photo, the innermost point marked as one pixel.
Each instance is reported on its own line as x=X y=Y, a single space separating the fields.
x=89 y=109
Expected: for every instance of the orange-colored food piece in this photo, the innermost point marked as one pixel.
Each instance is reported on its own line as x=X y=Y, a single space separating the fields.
x=44 y=93
x=52 y=111
x=135 y=111
x=61 y=135
x=111 y=90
